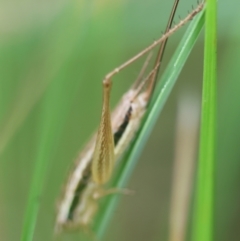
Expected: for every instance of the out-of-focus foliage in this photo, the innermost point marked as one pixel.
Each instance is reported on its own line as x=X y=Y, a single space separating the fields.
x=53 y=56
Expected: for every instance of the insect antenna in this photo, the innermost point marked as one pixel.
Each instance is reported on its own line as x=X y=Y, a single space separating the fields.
x=160 y=53
x=142 y=71
x=141 y=85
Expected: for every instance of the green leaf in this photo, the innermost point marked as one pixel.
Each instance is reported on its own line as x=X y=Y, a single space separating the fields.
x=203 y=220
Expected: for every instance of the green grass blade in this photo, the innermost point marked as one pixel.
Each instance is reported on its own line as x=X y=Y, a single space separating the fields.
x=203 y=222
x=163 y=91
x=55 y=109
x=53 y=116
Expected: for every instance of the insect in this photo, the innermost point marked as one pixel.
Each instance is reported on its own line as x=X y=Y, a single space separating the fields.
x=96 y=162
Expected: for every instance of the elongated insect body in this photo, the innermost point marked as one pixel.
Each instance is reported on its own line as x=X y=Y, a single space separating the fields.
x=95 y=164
x=79 y=203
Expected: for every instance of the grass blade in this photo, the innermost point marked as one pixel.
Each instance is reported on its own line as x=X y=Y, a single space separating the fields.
x=163 y=91
x=55 y=109
x=203 y=223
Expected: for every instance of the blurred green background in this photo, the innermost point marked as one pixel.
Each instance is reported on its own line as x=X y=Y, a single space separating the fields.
x=53 y=57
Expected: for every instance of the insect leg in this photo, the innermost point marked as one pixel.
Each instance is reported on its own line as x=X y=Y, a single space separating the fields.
x=103 y=156
x=157 y=42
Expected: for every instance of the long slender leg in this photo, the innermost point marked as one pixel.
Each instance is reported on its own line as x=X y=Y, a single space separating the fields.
x=157 y=42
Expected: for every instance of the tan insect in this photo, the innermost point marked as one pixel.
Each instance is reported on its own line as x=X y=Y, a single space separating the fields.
x=95 y=164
